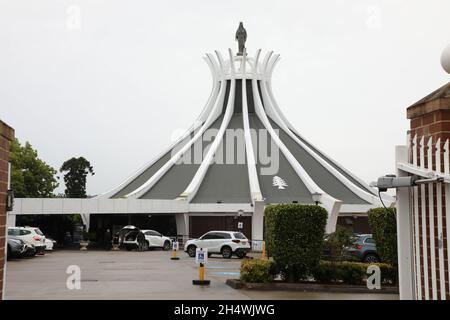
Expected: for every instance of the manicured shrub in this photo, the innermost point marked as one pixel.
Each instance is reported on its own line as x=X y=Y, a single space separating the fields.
x=383 y=224
x=352 y=272
x=389 y=273
x=257 y=271
x=325 y=272
x=294 y=237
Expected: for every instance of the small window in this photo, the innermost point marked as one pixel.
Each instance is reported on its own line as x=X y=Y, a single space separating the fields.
x=222 y=235
x=369 y=240
x=239 y=235
x=208 y=236
x=24 y=232
x=13 y=232
x=39 y=232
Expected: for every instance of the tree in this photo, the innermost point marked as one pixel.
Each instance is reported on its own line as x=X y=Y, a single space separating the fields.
x=76 y=171
x=337 y=241
x=31 y=177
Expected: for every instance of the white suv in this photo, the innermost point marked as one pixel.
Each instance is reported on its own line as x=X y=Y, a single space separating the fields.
x=29 y=235
x=225 y=243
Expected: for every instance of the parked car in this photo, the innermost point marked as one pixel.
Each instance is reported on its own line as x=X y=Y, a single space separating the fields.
x=49 y=244
x=225 y=243
x=157 y=240
x=16 y=248
x=363 y=249
x=30 y=235
x=129 y=238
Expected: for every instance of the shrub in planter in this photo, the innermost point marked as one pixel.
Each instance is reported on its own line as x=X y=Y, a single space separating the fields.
x=352 y=272
x=389 y=273
x=294 y=237
x=257 y=271
x=325 y=272
x=383 y=224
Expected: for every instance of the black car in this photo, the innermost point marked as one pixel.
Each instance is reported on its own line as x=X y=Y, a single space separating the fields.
x=16 y=248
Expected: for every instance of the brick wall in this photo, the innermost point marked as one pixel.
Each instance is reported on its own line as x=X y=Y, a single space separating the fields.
x=6 y=136
x=430 y=118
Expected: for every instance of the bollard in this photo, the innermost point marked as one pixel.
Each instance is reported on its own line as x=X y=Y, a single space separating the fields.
x=201 y=275
x=174 y=251
x=264 y=257
x=174 y=255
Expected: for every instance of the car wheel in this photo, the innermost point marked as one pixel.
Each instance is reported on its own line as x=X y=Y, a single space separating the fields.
x=226 y=252
x=371 y=258
x=241 y=254
x=191 y=251
x=166 y=246
x=128 y=248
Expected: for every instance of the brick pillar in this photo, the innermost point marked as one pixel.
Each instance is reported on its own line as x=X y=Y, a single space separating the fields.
x=430 y=118
x=6 y=136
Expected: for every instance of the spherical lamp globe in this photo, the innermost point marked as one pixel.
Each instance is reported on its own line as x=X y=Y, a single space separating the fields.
x=445 y=59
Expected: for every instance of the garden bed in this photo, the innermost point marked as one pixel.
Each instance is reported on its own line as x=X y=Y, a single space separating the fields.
x=308 y=287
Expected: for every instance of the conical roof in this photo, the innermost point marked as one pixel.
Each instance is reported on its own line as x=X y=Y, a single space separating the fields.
x=242 y=149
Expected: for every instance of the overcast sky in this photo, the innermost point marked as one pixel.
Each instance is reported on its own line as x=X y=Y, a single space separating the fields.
x=112 y=80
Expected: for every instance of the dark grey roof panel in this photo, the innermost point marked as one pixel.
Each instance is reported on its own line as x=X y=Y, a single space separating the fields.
x=143 y=177
x=295 y=189
x=227 y=181
x=321 y=176
x=334 y=165
x=178 y=177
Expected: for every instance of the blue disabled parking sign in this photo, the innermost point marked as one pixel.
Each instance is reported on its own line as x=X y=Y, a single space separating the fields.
x=201 y=255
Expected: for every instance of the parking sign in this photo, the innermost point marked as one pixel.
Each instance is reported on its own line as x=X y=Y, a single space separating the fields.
x=201 y=255
x=175 y=246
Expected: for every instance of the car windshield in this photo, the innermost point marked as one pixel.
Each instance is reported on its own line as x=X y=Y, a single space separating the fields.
x=239 y=235
x=39 y=232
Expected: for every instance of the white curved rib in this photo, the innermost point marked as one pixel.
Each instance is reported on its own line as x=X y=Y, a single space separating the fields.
x=255 y=190
x=331 y=204
x=292 y=128
x=276 y=116
x=141 y=190
x=216 y=75
x=191 y=190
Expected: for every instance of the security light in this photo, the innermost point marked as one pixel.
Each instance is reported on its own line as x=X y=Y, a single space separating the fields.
x=316 y=197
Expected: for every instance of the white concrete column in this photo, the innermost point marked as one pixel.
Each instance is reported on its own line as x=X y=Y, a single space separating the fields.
x=182 y=221
x=404 y=233
x=258 y=221
x=10 y=220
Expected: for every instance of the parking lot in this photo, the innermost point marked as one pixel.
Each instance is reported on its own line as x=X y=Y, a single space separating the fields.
x=136 y=275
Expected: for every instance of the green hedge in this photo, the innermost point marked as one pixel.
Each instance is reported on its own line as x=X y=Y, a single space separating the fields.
x=294 y=237
x=383 y=224
x=352 y=272
x=257 y=271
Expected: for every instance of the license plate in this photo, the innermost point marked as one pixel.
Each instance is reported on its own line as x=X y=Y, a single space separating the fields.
x=244 y=242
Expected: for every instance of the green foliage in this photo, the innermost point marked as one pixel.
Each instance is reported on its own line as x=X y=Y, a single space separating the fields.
x=257 y=271
x=76 y=171
x=294 y=236
x=337 y=241
x=383 y=224
x=30 y=176
x=352 y=272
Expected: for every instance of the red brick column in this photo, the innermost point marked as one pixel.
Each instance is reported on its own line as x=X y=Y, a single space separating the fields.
x=6 y=136
x=430 y=117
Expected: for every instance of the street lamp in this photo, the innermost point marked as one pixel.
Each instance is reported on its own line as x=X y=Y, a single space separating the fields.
x=316 y=197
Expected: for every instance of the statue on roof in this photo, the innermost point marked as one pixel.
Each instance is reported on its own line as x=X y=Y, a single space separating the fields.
x=241 y=37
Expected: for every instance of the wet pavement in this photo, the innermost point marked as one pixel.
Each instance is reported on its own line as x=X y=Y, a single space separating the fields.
x=138 y=275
